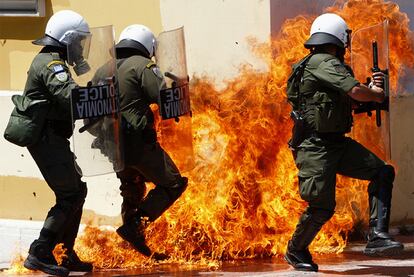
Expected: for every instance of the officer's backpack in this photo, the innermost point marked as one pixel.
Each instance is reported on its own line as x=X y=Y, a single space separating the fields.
x=294 y=80
x=26 y=120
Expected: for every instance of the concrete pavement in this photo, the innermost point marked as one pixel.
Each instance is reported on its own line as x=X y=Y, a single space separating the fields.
x=349 y=263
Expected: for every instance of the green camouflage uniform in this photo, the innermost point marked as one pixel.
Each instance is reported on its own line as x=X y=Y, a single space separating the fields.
x=49 y=77
x=140 y=81
x=326 y=151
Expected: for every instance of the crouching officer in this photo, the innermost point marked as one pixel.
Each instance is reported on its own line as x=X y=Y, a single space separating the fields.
x=49 y=78
x=140 y=82
x=320 y=90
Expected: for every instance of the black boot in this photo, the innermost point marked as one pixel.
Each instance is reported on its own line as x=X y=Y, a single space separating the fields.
x=297 y=254
x=300 y=259
x=73 y=263
x=41 y=258
x=380 y=242
x=134 y=232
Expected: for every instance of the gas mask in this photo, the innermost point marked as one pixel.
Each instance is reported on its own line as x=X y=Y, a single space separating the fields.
x=78 y=51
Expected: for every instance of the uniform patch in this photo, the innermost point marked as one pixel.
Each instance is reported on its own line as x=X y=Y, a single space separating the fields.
x=62 y=76
x=58 y=68
x=157 y=71
x=340 y=68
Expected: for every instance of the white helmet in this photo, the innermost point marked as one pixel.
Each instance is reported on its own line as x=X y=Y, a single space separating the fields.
x=63 y=27
x=136 y=36
x=329 y=28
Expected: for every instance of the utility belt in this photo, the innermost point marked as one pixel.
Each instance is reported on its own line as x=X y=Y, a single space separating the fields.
x=300 y=132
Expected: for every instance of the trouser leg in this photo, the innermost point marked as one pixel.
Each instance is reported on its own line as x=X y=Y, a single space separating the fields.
x=71 y=260
x=157 y=167
x=55 y=161
x=133 y=190
x=358 y=162
x=309 y=225
x=317 y=162
x=380 y=194
x=72 y=223
x=161 y=198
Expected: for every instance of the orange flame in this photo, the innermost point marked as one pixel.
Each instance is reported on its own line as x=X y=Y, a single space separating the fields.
x=242 y=200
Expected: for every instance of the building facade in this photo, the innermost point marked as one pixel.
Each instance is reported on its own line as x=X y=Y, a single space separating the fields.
x=216 y=45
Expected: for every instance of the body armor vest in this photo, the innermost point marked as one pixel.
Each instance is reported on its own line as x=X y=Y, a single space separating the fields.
x=323 y=109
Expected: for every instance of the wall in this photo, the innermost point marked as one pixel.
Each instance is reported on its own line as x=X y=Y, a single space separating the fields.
x=216 y=43
x=16 y=33
x=24 y=195
x=216 y=32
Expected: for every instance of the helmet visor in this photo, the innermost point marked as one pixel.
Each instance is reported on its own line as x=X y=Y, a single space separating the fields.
x=78 y=47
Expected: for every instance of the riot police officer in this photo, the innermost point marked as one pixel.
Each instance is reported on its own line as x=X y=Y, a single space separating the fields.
x=49 y=78
x=322 y=93
x=140 y=82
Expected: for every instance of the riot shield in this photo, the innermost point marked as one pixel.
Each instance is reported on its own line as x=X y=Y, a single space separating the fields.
x=96 y=139
x=174 y=104
x=369 y=54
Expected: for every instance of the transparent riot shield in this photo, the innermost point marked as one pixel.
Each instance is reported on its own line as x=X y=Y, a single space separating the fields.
x=96 y=139
x=174 y=106
x=369 y=54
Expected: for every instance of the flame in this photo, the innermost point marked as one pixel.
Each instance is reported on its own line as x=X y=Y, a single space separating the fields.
x=242 y=200
x=16 y=266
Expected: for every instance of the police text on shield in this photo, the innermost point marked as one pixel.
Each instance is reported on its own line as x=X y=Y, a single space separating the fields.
x=175 y=102
x=95 y=101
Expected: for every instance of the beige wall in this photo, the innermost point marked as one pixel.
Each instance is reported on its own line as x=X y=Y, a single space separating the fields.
x=216 y=45
x=16 y=33
x=23 y=193
x=212 y=29
x=216 y=33
x=402 y=148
